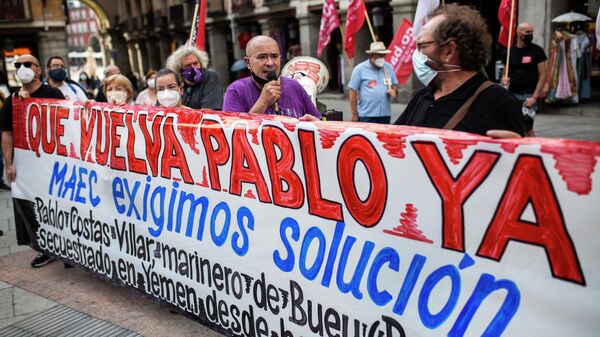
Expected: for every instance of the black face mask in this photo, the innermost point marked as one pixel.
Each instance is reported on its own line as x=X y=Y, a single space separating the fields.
x=259 y=80
x=528 y=38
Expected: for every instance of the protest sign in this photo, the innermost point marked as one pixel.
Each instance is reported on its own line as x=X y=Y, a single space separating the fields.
x=261 y=225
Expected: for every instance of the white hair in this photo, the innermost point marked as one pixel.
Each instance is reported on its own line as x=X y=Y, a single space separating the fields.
x=174 y=60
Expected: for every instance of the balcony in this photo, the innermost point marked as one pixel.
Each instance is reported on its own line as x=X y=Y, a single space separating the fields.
x=13 y=11
x=242 y=5
x=215 y=7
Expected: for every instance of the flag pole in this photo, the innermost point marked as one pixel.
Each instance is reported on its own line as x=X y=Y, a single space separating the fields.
x=510 y=36
x=190 y=43
x=370 y=27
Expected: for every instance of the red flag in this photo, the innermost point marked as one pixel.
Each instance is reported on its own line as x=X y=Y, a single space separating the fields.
x=355 y=18
x=504 y=18
x=198 y=31
x=402 y=47
x=329 y=22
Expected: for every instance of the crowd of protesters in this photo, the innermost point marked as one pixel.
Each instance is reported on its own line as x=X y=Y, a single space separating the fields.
x=452 y=49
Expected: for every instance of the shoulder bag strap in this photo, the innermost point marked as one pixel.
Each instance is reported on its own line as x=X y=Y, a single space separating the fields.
x=462 y=112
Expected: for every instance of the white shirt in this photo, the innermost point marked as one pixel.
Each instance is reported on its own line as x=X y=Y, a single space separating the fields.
x=72 y=92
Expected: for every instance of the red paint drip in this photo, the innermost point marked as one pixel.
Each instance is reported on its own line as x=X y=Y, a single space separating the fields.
x=408 y=226
x=187 y=125
x=509 y=147
x=73 y=152
x=176 y=178
x=290 y=124
x=575 y=162
x=332 y=132
x=254 y=124
x=249 y=194
x=455 y=147
x=88 y=158
x=225 y=190
x=204 y=182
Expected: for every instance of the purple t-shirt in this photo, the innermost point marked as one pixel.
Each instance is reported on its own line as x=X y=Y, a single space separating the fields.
x=294 y=101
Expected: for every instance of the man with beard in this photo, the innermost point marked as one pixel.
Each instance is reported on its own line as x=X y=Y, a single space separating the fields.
x=452 y=47
x=526 y=73
x=201 y=86
x=264 y=92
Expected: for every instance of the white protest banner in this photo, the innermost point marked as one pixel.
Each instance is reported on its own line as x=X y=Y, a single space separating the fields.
x=260 y=225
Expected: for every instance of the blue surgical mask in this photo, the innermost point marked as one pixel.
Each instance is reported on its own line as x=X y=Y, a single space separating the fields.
x=424 y=72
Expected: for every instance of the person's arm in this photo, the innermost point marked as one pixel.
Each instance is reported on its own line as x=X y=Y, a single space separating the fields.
x=7 y=151
x=213 y=93
x=353 y=95
x=539 y=87
x=270 y=94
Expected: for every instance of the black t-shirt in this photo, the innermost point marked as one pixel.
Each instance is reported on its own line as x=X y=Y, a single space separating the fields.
x=6 y=113
x=495 y=108
x=523 y=68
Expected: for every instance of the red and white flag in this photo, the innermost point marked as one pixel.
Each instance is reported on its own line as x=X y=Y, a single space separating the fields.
x=329 y=22
x=198 y=27
x=355 y=18
x=504 y=18
x=424 y=7
x=402 y=47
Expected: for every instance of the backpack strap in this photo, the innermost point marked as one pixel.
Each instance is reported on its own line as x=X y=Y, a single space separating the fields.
x=464 y=109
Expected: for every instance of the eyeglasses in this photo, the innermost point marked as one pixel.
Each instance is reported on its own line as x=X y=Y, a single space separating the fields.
x=421 y=45
x=27 y=64
x=265 y=57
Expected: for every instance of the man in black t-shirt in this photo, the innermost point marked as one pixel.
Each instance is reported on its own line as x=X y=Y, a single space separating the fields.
x=449 y=66
x=526 y=72
x=28 y=72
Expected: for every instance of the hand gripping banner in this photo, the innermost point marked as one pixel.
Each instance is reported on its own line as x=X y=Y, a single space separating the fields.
x=260 y=225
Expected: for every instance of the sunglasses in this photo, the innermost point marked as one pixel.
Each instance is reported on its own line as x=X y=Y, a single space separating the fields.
x=27 y=64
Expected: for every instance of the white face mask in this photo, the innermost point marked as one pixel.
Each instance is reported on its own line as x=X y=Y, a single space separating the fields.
x=25 y=75
x=168 y=98
x=117 y=97
x=379 y=62
x=152 y=83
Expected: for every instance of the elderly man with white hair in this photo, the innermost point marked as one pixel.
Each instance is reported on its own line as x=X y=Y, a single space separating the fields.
x=202 y=86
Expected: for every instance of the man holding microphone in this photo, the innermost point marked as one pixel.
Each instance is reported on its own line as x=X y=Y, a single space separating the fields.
x=264 y=92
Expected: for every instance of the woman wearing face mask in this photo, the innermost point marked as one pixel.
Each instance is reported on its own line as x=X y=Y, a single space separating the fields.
x=118 y=89
x=148 y=96
x=169 y=88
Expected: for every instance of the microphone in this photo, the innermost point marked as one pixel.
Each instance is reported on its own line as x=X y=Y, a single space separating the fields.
x=271 y=76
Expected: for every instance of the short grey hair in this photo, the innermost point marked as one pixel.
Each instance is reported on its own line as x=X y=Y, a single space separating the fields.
x=174 y=60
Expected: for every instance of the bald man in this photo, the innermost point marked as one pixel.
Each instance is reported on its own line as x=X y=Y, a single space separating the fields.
x=261 y=94
x=29 y=71
x=526 y=73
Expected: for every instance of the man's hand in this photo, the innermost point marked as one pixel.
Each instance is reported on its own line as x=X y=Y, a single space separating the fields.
x=505 y=81
x=11 y=173
x=502 y=134
x=392 y=93
x=24 y=93
x=355 y=117
x=308 y=118
x=529 y=101
x=270 y=93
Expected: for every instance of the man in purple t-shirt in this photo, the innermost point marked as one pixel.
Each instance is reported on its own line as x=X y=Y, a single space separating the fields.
x=257 y=94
